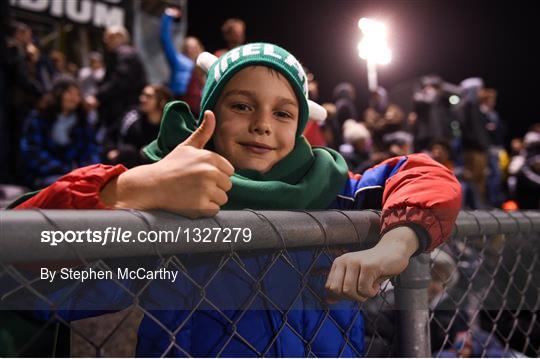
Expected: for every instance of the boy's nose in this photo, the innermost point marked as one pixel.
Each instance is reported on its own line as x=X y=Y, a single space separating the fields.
x=261 y=130
x=261 y=124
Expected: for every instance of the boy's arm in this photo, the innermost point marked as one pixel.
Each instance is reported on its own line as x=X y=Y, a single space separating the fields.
x=161 y=185
x=79 y=189
x=421 y=194
x=421 y=200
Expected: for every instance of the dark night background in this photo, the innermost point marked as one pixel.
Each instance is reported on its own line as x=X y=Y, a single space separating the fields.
x=454 y=39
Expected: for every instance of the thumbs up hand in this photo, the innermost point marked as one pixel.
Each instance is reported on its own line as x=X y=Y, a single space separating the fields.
x=189 y=180
x=203 y=134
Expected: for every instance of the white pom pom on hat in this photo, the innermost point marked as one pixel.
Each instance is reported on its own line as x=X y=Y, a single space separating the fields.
x=205 y=60
x=317 y=113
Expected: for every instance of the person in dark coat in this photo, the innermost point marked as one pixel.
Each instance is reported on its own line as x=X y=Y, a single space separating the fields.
x=476 y=139
x=124 y=80
x=382 y=118
x=23 y=91
x=527 y=189
x=140 y=126
x=433 y=114
x=344 y=97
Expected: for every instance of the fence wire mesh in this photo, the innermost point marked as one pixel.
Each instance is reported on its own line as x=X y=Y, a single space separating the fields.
x=478 y=295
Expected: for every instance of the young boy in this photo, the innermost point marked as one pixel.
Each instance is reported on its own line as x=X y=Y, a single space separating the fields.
x=247 y=151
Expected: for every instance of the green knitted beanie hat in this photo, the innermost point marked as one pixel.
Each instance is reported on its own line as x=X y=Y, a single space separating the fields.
x=220 y=71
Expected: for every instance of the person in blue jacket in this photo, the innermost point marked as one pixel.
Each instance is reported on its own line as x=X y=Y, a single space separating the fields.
x=57 y=135
x=186 y=80
x=180 y=65
x=247 y=151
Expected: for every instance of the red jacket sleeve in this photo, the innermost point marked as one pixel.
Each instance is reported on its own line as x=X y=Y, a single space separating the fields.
x=79 y=189
x=424 y=193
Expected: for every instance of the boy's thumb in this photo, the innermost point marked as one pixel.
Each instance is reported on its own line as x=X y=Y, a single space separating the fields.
x=203 y=134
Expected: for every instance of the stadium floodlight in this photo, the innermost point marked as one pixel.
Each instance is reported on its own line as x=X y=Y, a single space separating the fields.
x=373 y=48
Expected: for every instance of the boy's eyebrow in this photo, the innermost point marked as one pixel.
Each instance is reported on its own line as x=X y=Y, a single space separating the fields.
x=287 y=101
x=251 y=94
x=239 y=92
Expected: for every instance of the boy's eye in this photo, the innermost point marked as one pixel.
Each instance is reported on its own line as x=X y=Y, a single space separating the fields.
x=283 y=114
x=241 y=107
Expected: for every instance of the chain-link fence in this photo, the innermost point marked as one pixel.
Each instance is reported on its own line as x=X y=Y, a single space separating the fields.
x=252 y=283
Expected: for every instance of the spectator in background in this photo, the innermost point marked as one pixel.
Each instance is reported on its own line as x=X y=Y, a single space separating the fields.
x=140 y=126
x=373 y=115
x=517 y=158
x=330 y=128
x=527 y=179
x=61 y=66
x=475 y=137
x=382 y=118
x=398 y=143
x=441 y=152
x=516 y=145
x=186 y=80
x=344 y=97
x=45 y=70
x=357 y=147
x=23 y=92
x=448 y=319
x=124 y=80
x=487 y=99
x=58 y=60
x=90 y=76
x=57 y=137
x=432 y=115
x=193 y=47
x=234 y=33
x=180 y=65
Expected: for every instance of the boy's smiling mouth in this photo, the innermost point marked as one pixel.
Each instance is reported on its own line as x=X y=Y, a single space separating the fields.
x=256 y=147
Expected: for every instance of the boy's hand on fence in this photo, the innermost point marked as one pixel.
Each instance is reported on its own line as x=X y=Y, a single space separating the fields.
x=358 y=275
x=189 y=180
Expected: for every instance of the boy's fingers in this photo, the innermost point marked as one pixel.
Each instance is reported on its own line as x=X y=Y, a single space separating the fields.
x=223 y=165
x=350 y=283
x=203 y=134
x=218 y=196
x=367 y=287
x=209 y=210
x=223 y=181
x=334 y=284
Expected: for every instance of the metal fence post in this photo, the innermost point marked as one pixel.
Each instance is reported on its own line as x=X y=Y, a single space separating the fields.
x=412 y=309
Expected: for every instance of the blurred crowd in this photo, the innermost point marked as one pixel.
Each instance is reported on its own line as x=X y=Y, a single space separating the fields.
x=62 y=117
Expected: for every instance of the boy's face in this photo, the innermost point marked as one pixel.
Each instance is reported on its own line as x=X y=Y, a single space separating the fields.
x=257 y=116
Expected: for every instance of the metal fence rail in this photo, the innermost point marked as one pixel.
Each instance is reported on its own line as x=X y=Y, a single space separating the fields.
x=480 y=295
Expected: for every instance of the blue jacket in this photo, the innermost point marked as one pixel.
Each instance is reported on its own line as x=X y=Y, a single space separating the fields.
x=180 y=65
x=45 y=159
x=290 y=319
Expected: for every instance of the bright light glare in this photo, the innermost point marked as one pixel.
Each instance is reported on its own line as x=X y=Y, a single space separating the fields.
x=372 y=27
x=454 y=99
x=373 y=46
